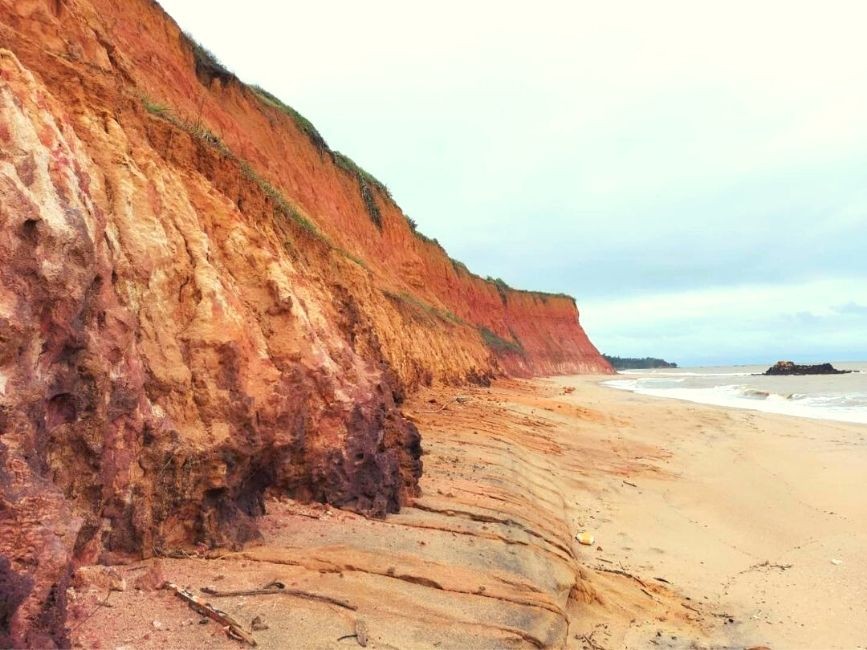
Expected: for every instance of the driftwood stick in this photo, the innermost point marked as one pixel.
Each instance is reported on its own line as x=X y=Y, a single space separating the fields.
x=460 y=399
x=690 y=607
x=205 y=609
x=271 y=589
x=304 y=514
x=622 y=573
x=588 y=639
x=99 y=603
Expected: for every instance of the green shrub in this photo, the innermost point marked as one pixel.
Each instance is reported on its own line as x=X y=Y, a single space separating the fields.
x=429 y=240
x=348 y=165
x=499 y=344
x=421 y=308
x=499 y=283
x=153 y=107
x=305 y=125
x=459 y=266
x=367 y=183
x=501 y=286
x=370 y=203
x=504 y=289
x=202 y=133
x=353 y=258
x=208 y=66
x=283 y=206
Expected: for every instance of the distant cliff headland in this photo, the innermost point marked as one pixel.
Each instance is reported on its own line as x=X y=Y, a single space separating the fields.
x=631 y=363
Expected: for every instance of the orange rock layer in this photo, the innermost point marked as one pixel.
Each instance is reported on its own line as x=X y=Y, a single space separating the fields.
x=201 y=302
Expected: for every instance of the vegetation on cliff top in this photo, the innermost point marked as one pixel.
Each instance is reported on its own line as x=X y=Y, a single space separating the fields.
x=503 y=288
x=209 y=67
x=367 y=182
x=630 y=363
x=305 y=125
x=202 y=133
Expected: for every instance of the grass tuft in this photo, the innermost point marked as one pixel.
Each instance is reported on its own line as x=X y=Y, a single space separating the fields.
x=301 y=122
x=368 y=184
x=423 y=309
x=283 y=206
x=499 y=344
x=348 y=165
x=202 y=133
x=460 y=267
x=208 y=66
x=353 y=258
x=501 y=286
x=153 y=107
x=414 y=227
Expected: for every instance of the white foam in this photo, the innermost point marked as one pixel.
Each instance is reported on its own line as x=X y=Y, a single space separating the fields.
x=623 y=384
x=683 y=373
x=733 y=396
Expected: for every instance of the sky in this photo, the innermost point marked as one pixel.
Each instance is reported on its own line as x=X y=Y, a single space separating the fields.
x=694 y=173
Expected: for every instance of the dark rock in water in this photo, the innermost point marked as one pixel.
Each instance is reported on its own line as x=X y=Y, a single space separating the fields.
x=789 y=368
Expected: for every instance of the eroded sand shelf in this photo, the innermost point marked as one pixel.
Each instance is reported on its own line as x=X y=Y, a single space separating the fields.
x=686 y=554
x=485 y=558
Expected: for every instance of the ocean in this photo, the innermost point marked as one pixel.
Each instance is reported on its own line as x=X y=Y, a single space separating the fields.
x=824 y=397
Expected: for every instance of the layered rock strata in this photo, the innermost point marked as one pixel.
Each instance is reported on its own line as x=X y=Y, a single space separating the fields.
x=200 y=302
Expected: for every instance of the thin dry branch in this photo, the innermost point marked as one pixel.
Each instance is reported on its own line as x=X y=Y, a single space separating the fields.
x=622 y=573
x=279 y=588
x=232 y=627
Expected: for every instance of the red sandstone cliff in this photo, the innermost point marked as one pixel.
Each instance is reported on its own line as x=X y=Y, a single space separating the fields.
x=200 y=302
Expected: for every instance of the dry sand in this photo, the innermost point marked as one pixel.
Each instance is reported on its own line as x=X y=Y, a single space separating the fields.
x=751 y=514
x=713 y=527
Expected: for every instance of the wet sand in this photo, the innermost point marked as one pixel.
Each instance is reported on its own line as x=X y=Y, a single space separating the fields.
x=713 y=528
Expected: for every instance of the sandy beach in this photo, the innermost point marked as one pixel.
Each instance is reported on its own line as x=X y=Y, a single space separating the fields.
x=756 y=515
x=712 y=527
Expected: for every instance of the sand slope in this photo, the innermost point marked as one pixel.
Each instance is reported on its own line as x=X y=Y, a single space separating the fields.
x=699 y=497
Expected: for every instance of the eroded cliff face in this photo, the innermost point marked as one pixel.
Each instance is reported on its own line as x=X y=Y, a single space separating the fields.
x=199 y=303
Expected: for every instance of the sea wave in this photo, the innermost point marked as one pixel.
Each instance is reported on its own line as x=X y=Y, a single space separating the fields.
x=684 y=373
x=851 y=407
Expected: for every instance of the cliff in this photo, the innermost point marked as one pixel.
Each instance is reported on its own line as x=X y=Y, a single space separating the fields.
x=200 y=302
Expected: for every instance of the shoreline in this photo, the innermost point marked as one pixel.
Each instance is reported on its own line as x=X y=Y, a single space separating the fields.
x=760 y=506
x=713 y=527
x=763 y=401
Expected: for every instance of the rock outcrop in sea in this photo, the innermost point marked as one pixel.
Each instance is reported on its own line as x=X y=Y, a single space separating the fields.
x=791 y=368
x=201 y=303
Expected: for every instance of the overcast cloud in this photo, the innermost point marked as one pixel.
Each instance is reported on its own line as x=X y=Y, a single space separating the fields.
x=694 y=173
